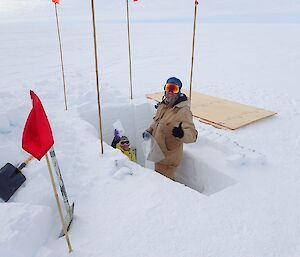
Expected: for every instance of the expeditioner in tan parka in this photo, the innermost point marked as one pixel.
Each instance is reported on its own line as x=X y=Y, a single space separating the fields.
x=171 y=127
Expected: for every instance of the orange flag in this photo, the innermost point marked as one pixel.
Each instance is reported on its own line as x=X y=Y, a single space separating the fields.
x=37 y=135
x=56 y=1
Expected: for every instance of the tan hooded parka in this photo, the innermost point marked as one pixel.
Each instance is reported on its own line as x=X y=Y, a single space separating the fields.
x=165 y=120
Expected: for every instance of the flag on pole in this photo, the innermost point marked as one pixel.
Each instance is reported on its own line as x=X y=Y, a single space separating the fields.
x=56 y=1
x=196 y=2
x=37 y=135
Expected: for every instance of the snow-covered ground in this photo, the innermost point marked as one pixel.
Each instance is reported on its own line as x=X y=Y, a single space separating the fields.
x=242 y=195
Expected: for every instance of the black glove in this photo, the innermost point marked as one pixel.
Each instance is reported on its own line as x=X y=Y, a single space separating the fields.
x=178 y=131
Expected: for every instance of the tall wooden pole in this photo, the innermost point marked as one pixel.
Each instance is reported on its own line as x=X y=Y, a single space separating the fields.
x=193 y=48
x=58 y=205
x=61 y=57
x=129 y=49
x=97 y=75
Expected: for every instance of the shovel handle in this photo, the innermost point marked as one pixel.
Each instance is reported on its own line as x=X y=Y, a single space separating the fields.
x=23 y=164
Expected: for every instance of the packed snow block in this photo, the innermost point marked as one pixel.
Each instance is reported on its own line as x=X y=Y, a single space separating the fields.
x=135 y=117
x=200 y=176
x=143 y=113
x=24 y=229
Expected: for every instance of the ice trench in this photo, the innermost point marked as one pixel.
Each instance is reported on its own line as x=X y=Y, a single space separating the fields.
x=195 y=171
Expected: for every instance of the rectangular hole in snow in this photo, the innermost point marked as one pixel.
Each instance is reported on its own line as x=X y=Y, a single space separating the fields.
x=201 y=177
x=135 y=118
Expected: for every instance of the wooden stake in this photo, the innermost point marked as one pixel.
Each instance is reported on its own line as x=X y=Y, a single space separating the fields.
x=193 y=50
x=129 y=48
x=61 y=57
x=97 y=74
x=58 y=205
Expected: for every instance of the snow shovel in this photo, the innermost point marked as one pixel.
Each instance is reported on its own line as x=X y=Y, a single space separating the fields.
x=11 y=178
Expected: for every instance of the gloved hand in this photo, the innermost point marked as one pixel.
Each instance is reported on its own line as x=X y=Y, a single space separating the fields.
x=178 y=131
x=116 y=134
x=116 y=138
x=146 y=135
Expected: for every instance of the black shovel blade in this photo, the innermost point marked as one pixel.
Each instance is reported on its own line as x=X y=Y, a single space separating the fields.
x=10 y=180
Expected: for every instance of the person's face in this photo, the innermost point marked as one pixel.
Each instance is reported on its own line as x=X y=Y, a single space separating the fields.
x=125 y=145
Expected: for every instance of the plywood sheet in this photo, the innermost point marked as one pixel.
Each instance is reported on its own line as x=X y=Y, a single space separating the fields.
x=221 y=113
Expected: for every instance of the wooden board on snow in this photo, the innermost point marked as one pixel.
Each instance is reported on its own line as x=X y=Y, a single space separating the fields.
x=219 y=112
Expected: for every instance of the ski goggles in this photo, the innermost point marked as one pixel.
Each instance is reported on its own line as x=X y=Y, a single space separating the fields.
x=170 y=87
x=124 y=143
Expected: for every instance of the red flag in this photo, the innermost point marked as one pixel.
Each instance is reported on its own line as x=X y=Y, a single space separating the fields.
x=37 y=135
x=135 y=0
x=196 y=2
x=56 y=1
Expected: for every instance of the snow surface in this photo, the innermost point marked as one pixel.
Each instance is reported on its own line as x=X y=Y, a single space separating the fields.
x=241 y=197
